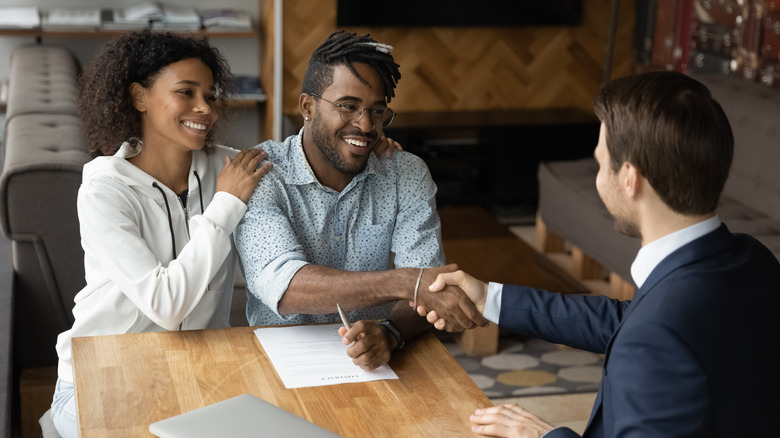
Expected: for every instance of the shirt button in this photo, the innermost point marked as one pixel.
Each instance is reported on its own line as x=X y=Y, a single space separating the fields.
x=338 y=238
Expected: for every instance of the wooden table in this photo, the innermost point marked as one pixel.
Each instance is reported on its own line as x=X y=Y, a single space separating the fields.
x=486 y=249
x=126 y=382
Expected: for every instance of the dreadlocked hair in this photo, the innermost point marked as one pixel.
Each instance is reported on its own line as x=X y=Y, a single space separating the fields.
x=346 y=48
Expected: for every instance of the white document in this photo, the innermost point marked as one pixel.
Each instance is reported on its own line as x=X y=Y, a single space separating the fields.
x=313 y=355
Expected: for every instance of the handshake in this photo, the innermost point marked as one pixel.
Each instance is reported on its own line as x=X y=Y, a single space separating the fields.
x=453 y=300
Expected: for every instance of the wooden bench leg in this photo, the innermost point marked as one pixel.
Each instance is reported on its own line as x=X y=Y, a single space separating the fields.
x=584 y=267
x=546 y=240
x=481 y=341
x=621 y=289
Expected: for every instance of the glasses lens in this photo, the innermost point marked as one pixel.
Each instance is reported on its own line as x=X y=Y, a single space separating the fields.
x=387 y=117
x=349 y=113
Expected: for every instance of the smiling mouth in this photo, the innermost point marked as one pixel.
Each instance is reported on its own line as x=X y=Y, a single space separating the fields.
x=358 y=143
x=195 y=125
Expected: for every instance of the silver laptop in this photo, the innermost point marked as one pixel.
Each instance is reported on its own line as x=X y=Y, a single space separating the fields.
x=238 y=417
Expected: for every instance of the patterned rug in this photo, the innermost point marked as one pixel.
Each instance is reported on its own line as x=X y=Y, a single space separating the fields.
x=526 y=366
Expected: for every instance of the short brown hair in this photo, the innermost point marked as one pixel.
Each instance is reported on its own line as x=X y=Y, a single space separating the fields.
x=669 y=126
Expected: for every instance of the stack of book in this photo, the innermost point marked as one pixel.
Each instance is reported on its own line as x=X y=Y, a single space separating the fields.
x=225 y=20
x=71 y=19
x=178 y=18
x=138 y=16
x=247 y=87
x=19 y=17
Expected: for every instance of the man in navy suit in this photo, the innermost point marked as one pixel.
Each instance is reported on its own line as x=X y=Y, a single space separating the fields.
x=695 y=353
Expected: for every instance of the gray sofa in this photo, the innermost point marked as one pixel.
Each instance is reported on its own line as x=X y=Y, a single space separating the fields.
x=43 y=153
x=570 y=208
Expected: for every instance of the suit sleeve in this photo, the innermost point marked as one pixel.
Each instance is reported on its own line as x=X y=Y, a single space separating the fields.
x=656 y=385
x=580 y=321
x=561 y=432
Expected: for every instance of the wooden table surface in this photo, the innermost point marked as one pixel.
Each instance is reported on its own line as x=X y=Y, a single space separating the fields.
x=126 y=382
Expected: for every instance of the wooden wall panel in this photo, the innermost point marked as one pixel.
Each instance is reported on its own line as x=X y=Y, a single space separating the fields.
x=471 y=68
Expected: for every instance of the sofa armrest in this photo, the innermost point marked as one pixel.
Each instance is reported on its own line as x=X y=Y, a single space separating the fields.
x=43 y=159
x=6 y=337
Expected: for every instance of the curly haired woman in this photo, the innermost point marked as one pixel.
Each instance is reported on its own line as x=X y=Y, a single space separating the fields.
x=159 y=203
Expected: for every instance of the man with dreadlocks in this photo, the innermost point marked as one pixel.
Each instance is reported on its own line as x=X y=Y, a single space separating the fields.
x=331 y=219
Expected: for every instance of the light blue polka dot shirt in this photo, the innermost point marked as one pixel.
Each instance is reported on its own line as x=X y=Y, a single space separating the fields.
x=385 y=216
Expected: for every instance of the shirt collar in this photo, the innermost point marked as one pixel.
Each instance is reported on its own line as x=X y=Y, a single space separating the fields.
x=650 y=255
x=301 y=172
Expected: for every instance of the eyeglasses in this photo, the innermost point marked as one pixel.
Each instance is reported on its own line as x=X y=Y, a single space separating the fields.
x=351 y=113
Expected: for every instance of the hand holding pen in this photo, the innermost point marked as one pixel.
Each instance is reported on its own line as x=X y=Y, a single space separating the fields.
x=368 y=345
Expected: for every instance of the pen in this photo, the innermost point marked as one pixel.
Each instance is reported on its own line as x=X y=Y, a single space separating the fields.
x=343 y=316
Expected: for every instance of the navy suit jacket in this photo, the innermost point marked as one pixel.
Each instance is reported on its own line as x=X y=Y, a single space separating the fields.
x=694 y=354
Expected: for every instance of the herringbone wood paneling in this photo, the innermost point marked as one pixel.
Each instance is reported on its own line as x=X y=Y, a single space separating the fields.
x=471 y=68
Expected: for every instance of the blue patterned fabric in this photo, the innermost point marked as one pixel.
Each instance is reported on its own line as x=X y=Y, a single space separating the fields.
x=385 y=217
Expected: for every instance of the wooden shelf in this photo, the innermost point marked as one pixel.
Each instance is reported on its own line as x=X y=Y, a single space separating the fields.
x=103 y=33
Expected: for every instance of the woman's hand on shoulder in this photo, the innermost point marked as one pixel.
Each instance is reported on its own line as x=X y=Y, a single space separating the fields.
x=387 y=146
x=239 y=176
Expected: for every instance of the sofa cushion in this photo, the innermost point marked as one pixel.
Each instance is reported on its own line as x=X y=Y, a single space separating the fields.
x=753 y=111
x=42 y=79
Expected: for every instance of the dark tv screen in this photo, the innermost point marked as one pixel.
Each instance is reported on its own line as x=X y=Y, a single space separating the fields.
x=424 y=13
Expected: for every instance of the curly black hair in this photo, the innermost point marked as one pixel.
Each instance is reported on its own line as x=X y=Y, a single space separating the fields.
x=345 y=48
x=106 y=108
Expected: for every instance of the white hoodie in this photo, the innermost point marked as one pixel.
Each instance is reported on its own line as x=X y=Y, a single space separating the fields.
x=134 y=282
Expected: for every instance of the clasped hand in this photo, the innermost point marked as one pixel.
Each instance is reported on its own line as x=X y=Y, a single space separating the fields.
x=447 y=304
x=450 y=291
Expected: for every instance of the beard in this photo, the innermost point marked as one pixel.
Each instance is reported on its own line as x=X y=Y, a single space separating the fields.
x=328 y=145
x=621 y=217
x=626 y=227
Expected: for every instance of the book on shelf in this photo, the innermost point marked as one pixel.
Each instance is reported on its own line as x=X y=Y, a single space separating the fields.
x=19 y=17
x=247 y=87
x=225 y=20
x=115 y=19
x=148 y=11
x=178 y=18
x=138 y=16
x=71 y=19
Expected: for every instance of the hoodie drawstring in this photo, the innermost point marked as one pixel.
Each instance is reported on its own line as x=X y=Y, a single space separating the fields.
x=200 y=192
x=170 y=220
x=168 y=208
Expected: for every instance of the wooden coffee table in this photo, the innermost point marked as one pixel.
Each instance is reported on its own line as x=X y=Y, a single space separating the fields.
x=487 y=250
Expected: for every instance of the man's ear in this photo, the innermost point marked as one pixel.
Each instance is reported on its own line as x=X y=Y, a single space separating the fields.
x=306 y=106
x=631 y=180
x=138 y=94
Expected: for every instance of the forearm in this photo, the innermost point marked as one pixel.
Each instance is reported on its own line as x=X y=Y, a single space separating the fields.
x=315 y=289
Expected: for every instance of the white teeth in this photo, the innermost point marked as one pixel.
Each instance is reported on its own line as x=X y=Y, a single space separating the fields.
x=193 y=125
x=360 y=144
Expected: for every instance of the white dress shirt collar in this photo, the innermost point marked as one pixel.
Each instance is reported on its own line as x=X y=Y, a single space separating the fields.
x=650 y=255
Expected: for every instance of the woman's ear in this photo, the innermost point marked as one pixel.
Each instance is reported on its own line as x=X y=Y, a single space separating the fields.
x=138 y=94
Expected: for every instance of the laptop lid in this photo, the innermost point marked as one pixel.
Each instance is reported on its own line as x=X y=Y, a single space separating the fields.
x=238 y=417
